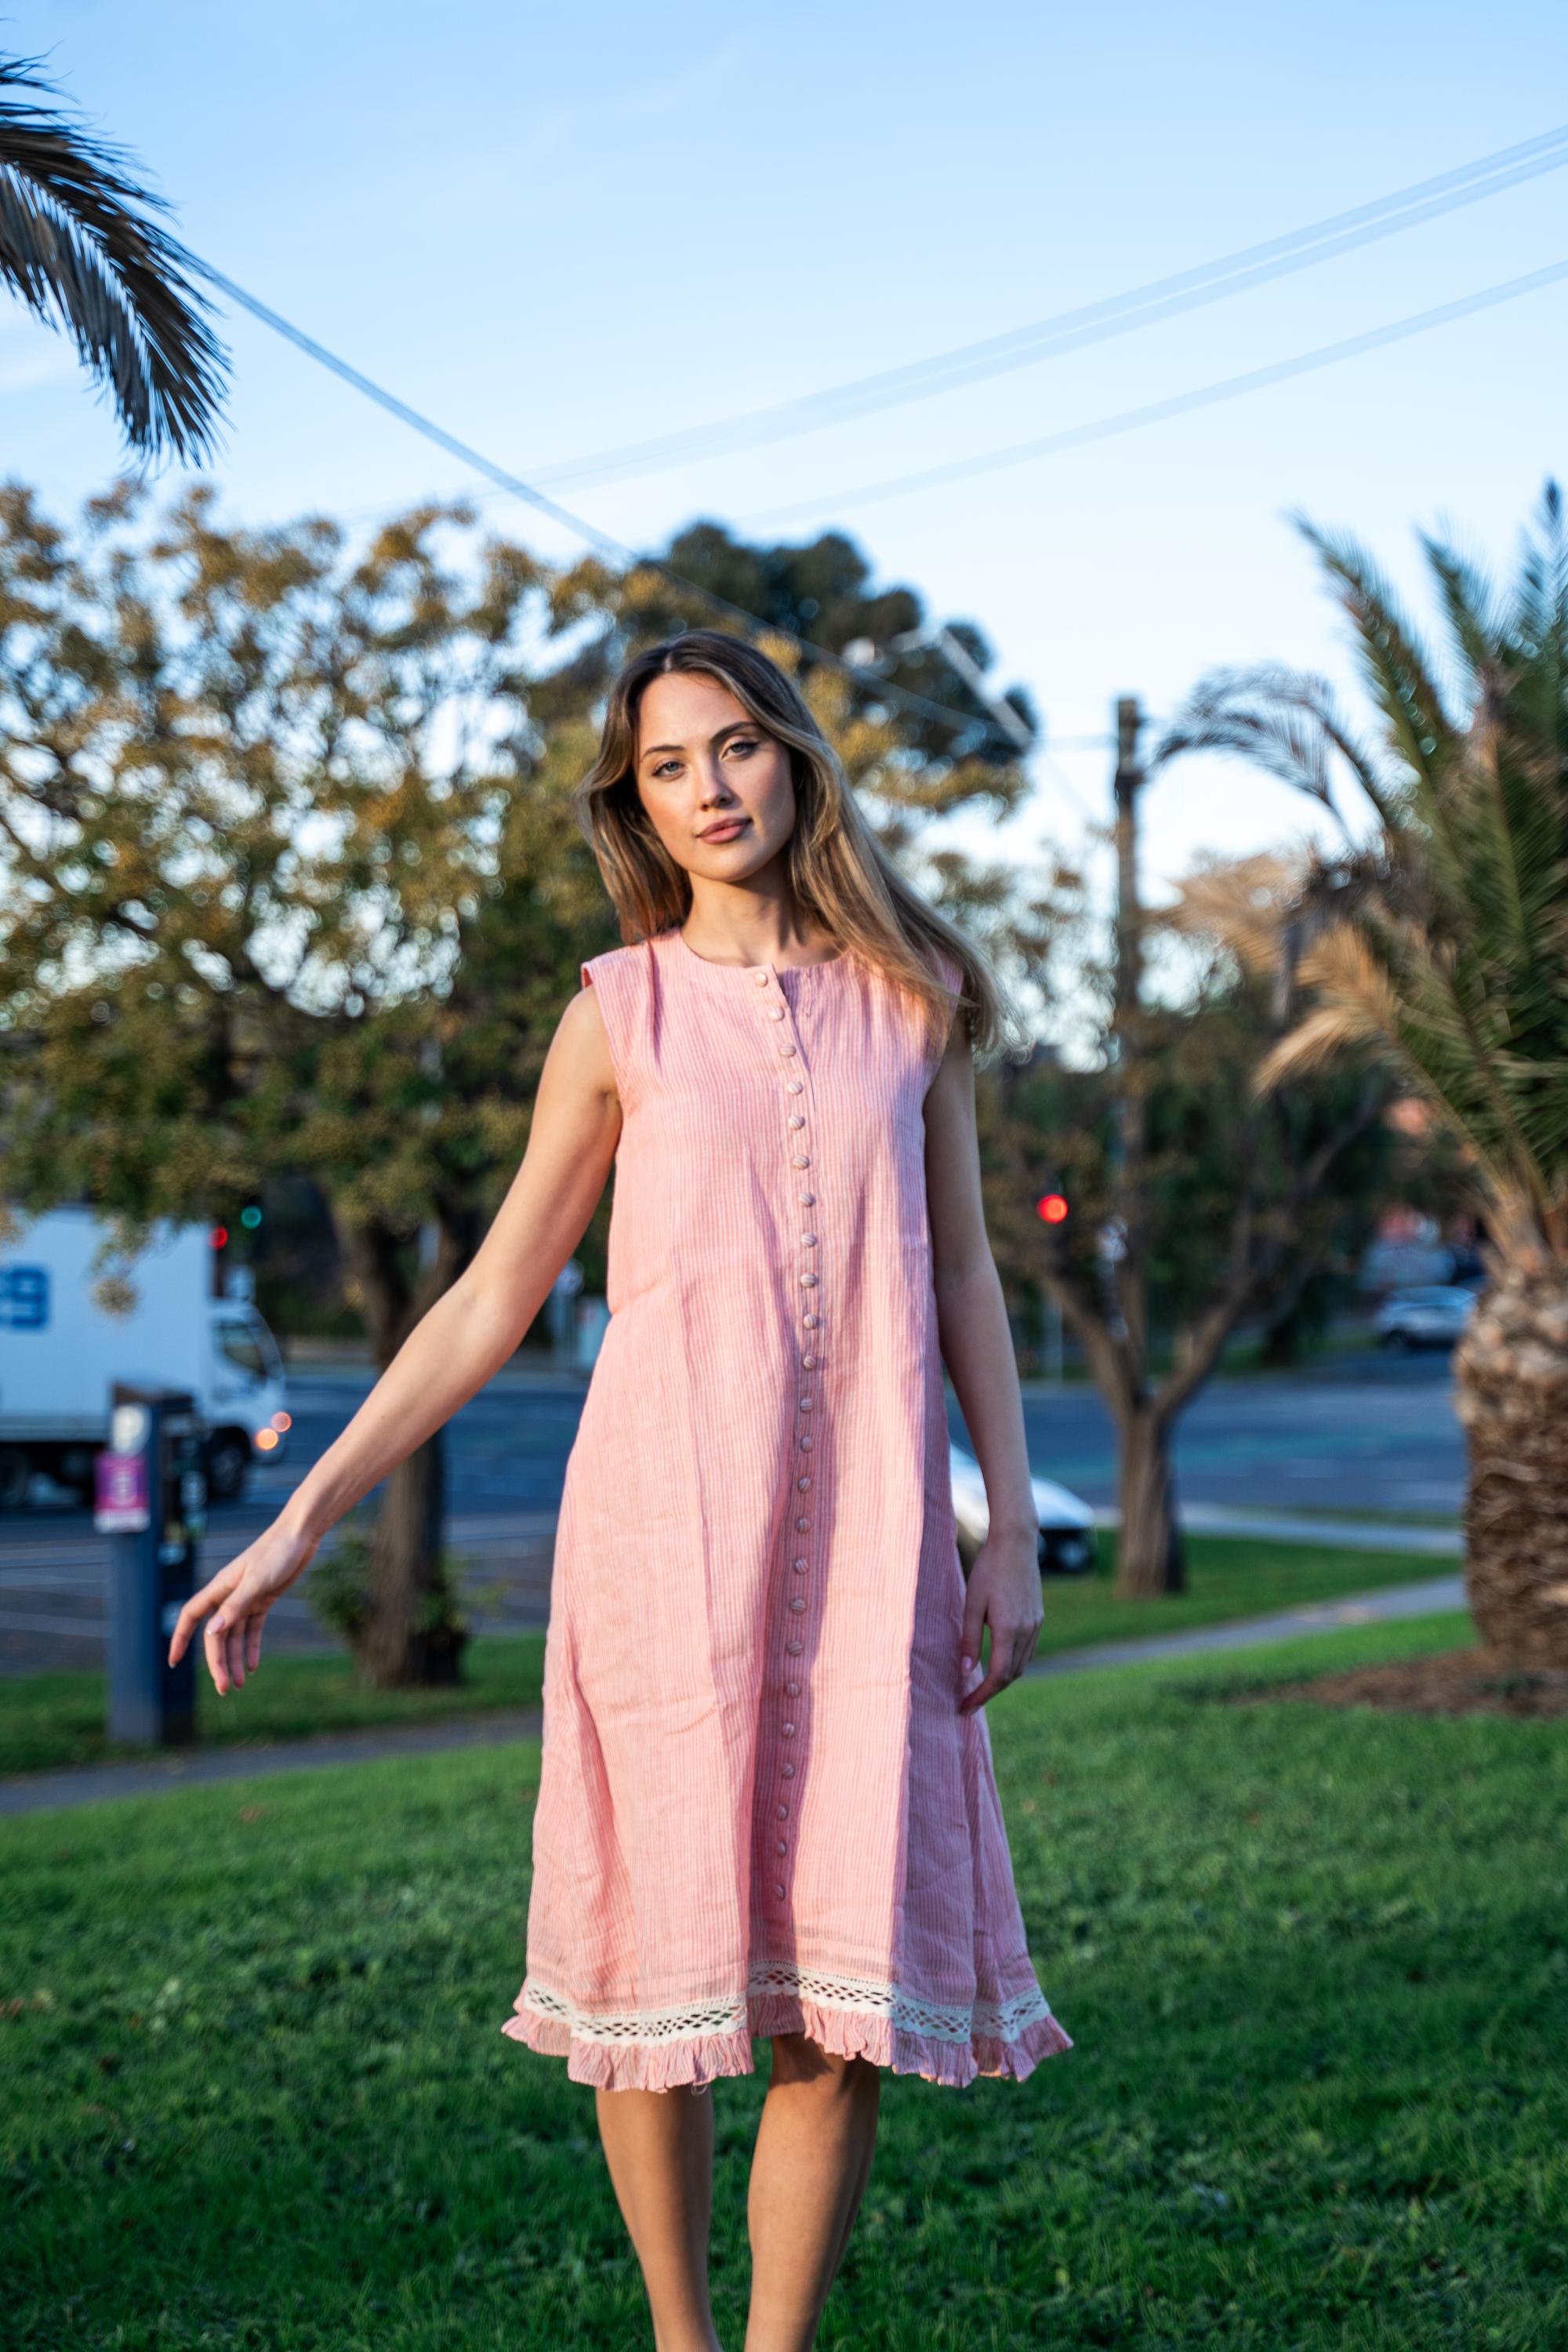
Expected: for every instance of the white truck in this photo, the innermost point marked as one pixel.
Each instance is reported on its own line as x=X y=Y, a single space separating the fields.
x=61 y=1349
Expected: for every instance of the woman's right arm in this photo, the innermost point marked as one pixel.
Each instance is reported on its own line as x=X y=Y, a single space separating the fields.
x=468 y=1334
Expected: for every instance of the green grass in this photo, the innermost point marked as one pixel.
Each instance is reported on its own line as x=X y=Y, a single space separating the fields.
x=56 y=1719
x=1314 y=1960
x=1228 y=1576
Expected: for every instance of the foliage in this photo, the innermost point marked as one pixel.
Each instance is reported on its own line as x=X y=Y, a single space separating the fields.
x=340 y=1586
x=1442 y=944
x=1311 y=1959
x=81 y=244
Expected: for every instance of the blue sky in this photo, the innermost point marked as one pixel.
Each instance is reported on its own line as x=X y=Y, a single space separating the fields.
x=562 y=229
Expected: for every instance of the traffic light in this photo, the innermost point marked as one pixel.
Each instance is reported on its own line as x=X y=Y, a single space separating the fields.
x=1053 y=1208
x=218 y=1237
x=250 y=1217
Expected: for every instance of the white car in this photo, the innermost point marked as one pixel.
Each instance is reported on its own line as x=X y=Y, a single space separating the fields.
x=1067 y=1524
x=1431 y=1316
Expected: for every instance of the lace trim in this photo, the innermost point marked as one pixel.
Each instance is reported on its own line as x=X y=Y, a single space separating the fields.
x=850 y=1996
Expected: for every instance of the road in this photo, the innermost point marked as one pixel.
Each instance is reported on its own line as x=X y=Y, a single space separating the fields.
x=1354 y=1435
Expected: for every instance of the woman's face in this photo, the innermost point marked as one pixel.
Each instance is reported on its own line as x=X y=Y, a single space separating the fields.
x=717 y=787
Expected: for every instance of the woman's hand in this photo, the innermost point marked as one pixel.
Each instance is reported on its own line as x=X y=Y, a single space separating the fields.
x=238 y=1598
x=1004 y=1594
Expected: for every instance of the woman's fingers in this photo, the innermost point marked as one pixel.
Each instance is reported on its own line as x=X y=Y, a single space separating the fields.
x=1011 y=1647
x=216 y=1590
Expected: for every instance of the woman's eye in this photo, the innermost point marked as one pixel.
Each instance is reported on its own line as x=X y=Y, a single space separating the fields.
x=667 y=767
x=743 y=744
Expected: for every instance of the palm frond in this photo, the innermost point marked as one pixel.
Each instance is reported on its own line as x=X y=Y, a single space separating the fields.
x=1284 y=722
x=1392 y=657
x=81 y=245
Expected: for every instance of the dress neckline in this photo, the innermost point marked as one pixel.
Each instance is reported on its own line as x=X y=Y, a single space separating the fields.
x=745 y=970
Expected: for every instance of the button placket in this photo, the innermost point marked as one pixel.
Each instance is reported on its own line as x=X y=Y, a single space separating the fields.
x=798 y=1139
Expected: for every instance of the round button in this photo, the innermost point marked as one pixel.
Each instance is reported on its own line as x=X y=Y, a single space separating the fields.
x=802 y=1484
x=806 y=1404
x=808 y=1241
x=789 y=1731
x=779 y=1846
x=760 y=974
x=807 y=1199
x=806 y=1444
x=779 y=1891
x=812 y=1321
x=809 y=1361
x=787 y=1771
x=798 y=1604
x=794 y=1088
x=784 y=1812
x=808 y=1281
x=794 y=1648
x=793 y=1689
x=785 y=1046
x=801 y=1526
x=799 y=1566
x=800 y=1160
x=797 y=1120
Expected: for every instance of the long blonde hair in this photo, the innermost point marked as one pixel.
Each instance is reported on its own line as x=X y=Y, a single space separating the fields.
x=839 y=871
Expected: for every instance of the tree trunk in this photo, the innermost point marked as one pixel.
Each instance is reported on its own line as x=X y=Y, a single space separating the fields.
x=1150 y=1558
x=1511 y=1371
x=411 y=1639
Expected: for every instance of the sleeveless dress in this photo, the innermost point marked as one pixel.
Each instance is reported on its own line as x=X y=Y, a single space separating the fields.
x=759 y=1808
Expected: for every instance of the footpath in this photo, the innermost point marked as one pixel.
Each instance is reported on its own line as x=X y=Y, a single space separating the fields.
x=39 y=1792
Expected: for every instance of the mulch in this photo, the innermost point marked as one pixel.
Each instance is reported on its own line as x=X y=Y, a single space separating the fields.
x=1453 y=1682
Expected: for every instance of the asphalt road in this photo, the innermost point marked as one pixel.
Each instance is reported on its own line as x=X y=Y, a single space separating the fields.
x=1354 y=1435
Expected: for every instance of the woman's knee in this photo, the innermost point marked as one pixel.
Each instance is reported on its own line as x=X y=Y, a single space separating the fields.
x=798 y=2060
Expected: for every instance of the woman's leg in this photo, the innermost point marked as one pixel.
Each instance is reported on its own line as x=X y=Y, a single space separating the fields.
x=658 y=2146
x=813 y=2159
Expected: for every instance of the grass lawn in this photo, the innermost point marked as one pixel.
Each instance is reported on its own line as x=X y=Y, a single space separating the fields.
x=56 y=1719
x=1314 y=1960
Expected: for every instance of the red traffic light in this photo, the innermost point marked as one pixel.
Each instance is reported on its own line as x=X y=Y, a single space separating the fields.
x=1053 y=1208
x=218 y=1237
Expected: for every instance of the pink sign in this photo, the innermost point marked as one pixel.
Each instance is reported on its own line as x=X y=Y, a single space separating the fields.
x=123 y=1503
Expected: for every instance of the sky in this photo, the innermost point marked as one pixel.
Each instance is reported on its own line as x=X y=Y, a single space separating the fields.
x=561 y=230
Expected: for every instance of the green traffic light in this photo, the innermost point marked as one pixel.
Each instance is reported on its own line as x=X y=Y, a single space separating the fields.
x=250 y=1217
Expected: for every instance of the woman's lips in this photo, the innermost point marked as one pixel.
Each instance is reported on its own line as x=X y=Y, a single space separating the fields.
x=725 y=832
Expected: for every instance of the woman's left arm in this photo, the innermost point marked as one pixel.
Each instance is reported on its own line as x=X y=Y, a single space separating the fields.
x=977 y=1347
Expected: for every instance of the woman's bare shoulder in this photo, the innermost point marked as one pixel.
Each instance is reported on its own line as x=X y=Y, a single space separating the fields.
x=581 y=1046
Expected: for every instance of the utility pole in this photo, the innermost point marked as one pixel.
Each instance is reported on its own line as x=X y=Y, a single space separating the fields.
x=1127 y=1029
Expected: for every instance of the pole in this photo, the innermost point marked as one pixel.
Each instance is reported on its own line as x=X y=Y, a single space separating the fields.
x=1132 y=1073
x=151 y=1504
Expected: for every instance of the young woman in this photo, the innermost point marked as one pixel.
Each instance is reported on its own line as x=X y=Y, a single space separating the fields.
x=766 y=1805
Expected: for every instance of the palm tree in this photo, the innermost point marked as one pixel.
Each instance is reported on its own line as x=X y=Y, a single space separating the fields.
x=80 y=245
x=1442 y=944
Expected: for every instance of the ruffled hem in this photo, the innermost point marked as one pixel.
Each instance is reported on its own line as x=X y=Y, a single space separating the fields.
x=693 y=2061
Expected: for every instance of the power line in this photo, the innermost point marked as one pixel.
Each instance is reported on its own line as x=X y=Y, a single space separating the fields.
x=614 y=550
x=1156 y=412
x=1069 y=331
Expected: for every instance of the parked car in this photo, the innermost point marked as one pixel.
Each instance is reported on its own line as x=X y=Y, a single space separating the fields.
x=1067 y=1524
x=1431 y=1316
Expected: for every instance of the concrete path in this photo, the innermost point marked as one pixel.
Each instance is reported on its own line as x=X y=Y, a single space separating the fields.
x=1334 y=1535
x=40 y=1792
x=1315 y=1617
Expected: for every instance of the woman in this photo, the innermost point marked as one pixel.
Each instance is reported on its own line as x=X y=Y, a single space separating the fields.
x=766 y=1805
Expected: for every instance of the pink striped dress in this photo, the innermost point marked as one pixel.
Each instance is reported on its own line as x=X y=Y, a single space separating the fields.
x=759 y=1808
